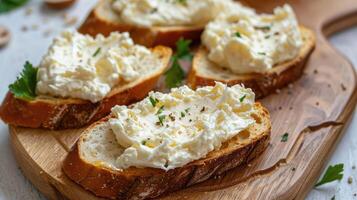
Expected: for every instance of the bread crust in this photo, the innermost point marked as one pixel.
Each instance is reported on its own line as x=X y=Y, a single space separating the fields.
x=143 y=183
x=75 y=113
x=152 y=36
x=262 y=84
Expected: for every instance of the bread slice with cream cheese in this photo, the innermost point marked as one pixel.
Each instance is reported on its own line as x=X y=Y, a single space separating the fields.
x=104 y=19
x=95 y=161
x=205 y=72
x=63 y=113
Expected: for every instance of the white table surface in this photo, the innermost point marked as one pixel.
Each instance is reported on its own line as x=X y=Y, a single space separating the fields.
x=32 y=44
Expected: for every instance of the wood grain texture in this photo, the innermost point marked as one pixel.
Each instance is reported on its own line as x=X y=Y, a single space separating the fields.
x=313 y=111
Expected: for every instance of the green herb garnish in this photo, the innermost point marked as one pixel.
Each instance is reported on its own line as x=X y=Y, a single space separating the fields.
x=242 y=98
x=8 y=5
x=143 y=142
x=182 y=1
x=238 y=34
x=285 y=137
x=266 y=28
x=333 y=173
x=97 y=52
x=25 y=86
x=183 y=114
x=153 y=101
x=161 y=119
x=161 y=109
x=176 y=74
x=262 y=53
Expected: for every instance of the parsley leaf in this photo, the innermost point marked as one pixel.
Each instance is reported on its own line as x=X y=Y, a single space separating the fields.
x=285 y=137
x=25 y=86
x=183 y=49
x=175 y=74
x=333 y=173
x=8 y=5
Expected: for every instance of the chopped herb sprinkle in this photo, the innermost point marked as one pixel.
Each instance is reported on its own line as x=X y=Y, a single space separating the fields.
x=238 y=35
x=153 y=101
x=97 y=52
x=242 y=98
x=161 y=109
x=285 y=137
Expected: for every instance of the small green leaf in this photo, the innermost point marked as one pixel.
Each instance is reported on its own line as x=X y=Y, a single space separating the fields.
x=8 y=5
x=25 y=86
x=183 y=49
x=175 y=75
x=242 y=98
x=285 y=137
x=333 y=173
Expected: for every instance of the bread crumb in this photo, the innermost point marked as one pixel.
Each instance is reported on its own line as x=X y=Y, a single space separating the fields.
x=41 y=172
x=350 y=180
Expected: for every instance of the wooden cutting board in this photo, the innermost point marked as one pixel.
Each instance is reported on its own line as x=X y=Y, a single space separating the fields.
x=314 y=111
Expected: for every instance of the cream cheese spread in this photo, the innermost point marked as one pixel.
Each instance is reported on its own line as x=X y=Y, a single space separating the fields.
x=247 y=42
x=80 y=66
x=167 y=131
x=171 y=12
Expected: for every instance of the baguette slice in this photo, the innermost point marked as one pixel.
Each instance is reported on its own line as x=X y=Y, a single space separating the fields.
x=204 y=72
x=58 y=113
x=90 y=163
x=104 y=20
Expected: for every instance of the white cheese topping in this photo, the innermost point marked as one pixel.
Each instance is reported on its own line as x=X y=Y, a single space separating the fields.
x=249 y=42
x=79 y=66
x=171 y=12
x=167 y=131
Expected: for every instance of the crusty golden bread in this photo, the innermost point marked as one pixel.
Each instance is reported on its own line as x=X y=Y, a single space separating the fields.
x=58 y=113
x=104 y=20
x=204 y=72
x=90 y=163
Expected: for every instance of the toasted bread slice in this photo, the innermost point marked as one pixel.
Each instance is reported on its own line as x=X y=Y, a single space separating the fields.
x=58 y=113
x=204 y=72
x=104 y=20
x=91 y=162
